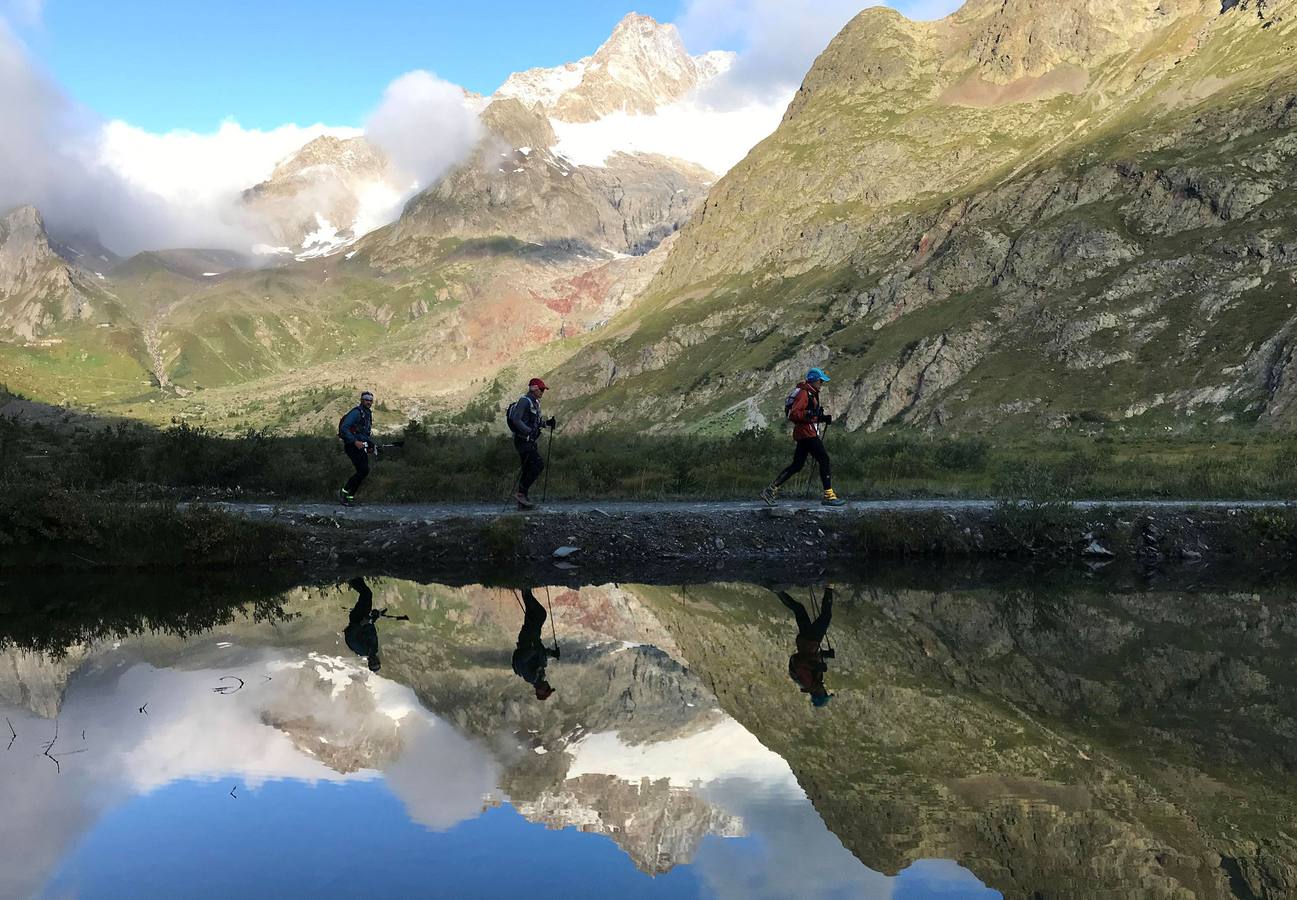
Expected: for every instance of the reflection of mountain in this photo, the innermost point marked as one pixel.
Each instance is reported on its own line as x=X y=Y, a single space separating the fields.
x=633 y=695
x=1087 y=745
x=332 y=710
x=36 y=682
x=629 y=747
x=657 y=824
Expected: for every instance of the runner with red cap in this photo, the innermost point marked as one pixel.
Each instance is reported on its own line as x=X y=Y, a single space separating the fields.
x=526 y=424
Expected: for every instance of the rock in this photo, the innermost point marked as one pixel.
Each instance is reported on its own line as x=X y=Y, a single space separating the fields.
x=778 y=512
x=1096 y=549
x=565 y=551
x=720 y=544
x=1186 y=553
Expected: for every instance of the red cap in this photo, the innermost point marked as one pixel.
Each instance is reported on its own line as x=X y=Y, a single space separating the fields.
x=536 y=382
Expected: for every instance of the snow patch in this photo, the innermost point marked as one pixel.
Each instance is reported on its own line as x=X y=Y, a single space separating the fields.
x=726 y=750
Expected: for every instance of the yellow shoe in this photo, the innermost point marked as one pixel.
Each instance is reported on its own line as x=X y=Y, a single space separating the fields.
x=832 y=499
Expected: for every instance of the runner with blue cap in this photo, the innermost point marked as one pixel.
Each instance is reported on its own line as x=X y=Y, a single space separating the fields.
x=802 y=407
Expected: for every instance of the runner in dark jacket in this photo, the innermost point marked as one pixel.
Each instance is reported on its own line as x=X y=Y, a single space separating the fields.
x=356 y=431
x=807 y=665
x=531 y=655
x=807 y=415
x=526 y=423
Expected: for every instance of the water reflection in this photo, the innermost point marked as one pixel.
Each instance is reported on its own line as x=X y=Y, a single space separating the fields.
x=1068 y=743
x=531 y=656
x=809 y=663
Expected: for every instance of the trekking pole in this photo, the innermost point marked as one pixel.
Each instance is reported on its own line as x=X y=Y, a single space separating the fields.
x=552 y=632
x=549 y=464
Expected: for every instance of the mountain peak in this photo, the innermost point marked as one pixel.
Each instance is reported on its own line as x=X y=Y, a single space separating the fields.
x=353 y=154
x=22 y=219
x=24 y=243
x=642 y=65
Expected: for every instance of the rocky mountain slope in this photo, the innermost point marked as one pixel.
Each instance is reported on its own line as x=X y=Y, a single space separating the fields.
x=1027 y=213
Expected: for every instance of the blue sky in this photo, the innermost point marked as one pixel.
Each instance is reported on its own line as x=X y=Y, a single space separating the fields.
x=192 y=64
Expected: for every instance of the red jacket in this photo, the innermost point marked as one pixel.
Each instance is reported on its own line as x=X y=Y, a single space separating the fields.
x=804 y=410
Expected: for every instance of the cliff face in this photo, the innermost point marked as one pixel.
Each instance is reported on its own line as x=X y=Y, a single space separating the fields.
x=1016 y=216
x=37 y=290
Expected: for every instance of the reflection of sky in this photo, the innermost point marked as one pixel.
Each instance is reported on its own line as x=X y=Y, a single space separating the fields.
x=290 y=838
x=146 y=809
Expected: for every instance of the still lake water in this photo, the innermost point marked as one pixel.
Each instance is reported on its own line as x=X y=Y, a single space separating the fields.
x=1004 y=740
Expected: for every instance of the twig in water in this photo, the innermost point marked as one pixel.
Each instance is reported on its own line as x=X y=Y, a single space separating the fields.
x=226 y=688
x=57 y=768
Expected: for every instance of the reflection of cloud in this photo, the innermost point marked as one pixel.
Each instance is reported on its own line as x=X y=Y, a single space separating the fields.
x=192 y=733
x=442 y=777
x=799 y=856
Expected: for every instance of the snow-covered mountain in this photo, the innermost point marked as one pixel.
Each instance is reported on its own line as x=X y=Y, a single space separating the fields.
x=334 y=190
x=643 y=66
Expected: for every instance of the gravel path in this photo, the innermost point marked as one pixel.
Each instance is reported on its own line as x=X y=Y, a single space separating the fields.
x=398 y=512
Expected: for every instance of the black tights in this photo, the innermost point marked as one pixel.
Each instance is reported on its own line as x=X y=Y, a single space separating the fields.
x=359 y=459
x=811 y=446
x=806 y=629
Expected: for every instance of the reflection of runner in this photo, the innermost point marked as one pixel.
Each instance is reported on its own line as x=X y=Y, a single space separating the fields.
x=807 y=665
x=361 y=634
x=531 y=656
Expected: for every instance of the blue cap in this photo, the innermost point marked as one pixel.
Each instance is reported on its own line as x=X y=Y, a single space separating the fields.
x=820 y=700
x=817 y=375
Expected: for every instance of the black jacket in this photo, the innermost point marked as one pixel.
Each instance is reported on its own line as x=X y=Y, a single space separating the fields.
x=524 y=418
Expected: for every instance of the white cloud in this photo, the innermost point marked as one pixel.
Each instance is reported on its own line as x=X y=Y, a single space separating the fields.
x=690 y=130
x=195 y=170
x=141 y=190
x=424 y=125
x=777 y=39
